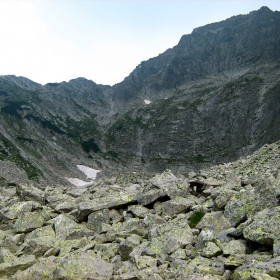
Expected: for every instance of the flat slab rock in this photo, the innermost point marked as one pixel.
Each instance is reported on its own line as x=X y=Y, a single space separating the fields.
x=110 y=201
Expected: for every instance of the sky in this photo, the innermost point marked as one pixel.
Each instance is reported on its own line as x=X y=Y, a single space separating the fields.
x=101 y=40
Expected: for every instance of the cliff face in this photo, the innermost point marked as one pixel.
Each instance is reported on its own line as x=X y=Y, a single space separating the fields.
x=214 y=97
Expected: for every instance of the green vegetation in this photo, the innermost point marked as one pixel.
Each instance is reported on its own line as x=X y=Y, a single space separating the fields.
x=9 y=152
x=25 y=139
x=4 y=93
x=12 y=108
x=90 y=145
x=196 y=217
x=45 y=124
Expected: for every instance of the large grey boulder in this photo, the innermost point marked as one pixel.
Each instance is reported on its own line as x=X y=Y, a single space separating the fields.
x=83 y=266
x=67 y=229
x=215 y=221
x=250 y=270
x=178 y=205
x=96 y=219
x=10 y=264
x=109 y=201
x=43 y=269
x=127 y=246
x=265 y=227
x=12 y=212
x=39 y=241
x=29 y=192
x=170 y=237
x=28 y=221
x=249 y=201
x=170 y=185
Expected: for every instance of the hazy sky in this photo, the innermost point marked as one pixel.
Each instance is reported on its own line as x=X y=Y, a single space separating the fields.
x=102 y=40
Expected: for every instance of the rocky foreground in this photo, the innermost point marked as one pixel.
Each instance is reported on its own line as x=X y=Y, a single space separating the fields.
x=220 y=223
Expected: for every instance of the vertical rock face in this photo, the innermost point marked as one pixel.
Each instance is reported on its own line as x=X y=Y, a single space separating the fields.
x=212 y=98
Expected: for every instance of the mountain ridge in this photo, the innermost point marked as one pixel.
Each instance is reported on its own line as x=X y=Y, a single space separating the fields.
x=211 y=98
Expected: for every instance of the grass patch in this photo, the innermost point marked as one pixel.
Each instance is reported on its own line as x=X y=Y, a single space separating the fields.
x=196 y=217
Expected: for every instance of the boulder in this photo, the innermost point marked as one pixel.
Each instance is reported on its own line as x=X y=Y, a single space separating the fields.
x=109 y=201
x=10 y=264
x=39 y=241
x=178 y=205
x=28 y=221
x=96 y=219
x=249 y=201
x=138 y=211
x=176 y=235
x=43 y=269
x=29 y=192
x=211 y=250
x=67 y=229
x=83 y=266
x=127 y=246
x=13 y=211
x=170 y=185
x=215 y=221
x=264 y=229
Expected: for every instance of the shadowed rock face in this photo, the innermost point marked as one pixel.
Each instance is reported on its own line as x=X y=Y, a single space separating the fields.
x=214 y=97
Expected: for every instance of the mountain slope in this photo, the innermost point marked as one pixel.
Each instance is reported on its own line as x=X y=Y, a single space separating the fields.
x=214 y=97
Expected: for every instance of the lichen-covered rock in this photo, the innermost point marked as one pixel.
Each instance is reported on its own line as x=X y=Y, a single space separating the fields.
x=276 y=246
x=264 y=229
x=204 y=266
x=179 y=254
x=205 y=235
x=178 y=205
x=13 y=211
x=249 y=201
x=135 y=226
x=211 y=250
x=127 y=246
x=215 y=221
x=234 y=261
x=56 y=199
x=240 y=206
x=213 y=182
x=39 y=241
x=43 y=269
x=10 y=264
x=96 y=219
x=143 y=262
x=65 y=228
x=83 y=266
x=248 y=271
x=175 y=236
x=170 y=185
x=111 y=200
x=12 y=242
x=224 y=196
x=29 y=192
x=106 y=251
x=138 y=211
x=149 y=195
x=234 y=247
x=28 y=221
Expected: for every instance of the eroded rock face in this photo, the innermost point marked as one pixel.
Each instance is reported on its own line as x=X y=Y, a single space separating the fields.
x=214 y=98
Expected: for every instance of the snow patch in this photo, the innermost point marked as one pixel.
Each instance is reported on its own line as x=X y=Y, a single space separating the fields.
x=77 y=182
x=147 y=101
x=89 y=172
